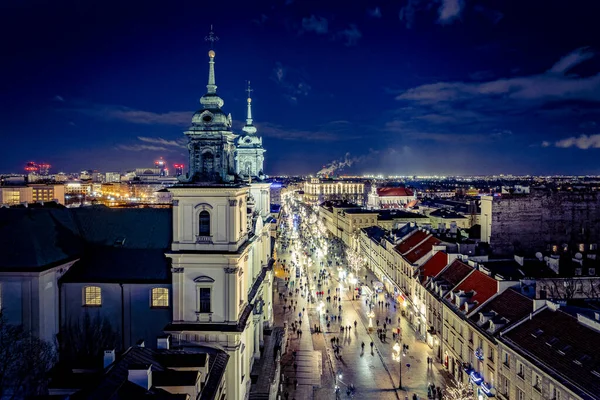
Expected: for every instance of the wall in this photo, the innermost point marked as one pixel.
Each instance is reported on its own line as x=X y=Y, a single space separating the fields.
x=128 y=309
x=531 y=222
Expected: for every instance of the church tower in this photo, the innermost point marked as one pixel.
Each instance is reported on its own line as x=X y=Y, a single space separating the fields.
x=211 y=142
x=221 y=248
x=250 y=152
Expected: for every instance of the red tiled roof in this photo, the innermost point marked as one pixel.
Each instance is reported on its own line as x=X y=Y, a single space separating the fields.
x=483 y=286
x=434 y=265
x=411 y=242
x=556 y=341
x=510 y=304
x=456 y=272
x=420 y=251
x=394 y=191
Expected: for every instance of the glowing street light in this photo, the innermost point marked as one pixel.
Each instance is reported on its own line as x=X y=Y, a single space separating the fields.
x=397 y=356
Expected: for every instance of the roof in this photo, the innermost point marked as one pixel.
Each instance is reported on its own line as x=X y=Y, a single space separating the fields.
x=120 y=265
x=557 y=339
x=413 y=240
x=510 y=305
x=114 y=383
x=445 y=214
x=434 y=265
x=386 y=215
x=421 y=250
x=456 y=272
x=394 y=191
x=375 y=233
x=482 y=286
x=142 y=228
x=37 y=238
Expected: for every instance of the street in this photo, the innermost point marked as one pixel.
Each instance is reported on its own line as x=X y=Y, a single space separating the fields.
x=336 y=341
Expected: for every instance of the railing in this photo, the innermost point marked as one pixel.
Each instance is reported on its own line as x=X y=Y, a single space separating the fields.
x=203 y=239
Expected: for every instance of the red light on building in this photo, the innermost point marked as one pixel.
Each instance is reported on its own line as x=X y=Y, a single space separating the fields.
x=31 y=167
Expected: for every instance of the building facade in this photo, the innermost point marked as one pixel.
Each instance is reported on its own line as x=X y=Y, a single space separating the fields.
x=318 y=190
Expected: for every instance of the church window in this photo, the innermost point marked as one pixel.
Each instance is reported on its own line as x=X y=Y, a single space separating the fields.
x=204 y=223
x=204 y=300
x=160 y=297
x=208 y=163
x=92 y=296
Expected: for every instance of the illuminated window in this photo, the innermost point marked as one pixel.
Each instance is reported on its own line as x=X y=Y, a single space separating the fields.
x=92 y=296
x=160 y=297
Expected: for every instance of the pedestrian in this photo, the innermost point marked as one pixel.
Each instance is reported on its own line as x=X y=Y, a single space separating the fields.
x=415 y=396
x=371 y=346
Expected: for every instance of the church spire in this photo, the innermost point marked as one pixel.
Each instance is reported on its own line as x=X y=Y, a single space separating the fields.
x=249 y=127
x=212 y=38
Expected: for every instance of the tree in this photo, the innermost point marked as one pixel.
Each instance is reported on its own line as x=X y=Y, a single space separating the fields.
x=25 y=362
x=460 y=391
x=83 y=341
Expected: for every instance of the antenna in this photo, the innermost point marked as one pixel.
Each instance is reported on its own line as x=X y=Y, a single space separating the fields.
x=539 y=256
x=578 y=256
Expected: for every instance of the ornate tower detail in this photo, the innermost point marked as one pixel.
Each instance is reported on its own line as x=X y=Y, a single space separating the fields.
x=250 y=152
x=211 y=142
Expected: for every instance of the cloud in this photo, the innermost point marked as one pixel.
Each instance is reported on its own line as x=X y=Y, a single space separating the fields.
x=110 y=112
x=375 y=13
x=347 y=161
x=350 y=35
x=449 y=11
x=315 y=24
x=408 y=13
x=59 y=98
x=541 y=88
x=571 y=60
x=142 y=147
x=582 y=142
x=181 y=142
x=292 y=81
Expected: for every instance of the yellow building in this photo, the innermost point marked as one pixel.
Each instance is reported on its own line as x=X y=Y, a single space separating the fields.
x=48 y=192
x=15 y=194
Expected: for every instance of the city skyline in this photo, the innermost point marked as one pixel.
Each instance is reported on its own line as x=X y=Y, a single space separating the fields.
x=419 y=87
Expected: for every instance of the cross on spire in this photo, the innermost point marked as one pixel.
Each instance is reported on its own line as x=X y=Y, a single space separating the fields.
x=212 y=38
x=249 y=89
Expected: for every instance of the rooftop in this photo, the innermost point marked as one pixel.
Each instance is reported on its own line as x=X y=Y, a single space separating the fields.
x=557 y=342
x=413 y=240
x=434 y=265
x=394 y=191
x=421 y=250
x=482 y=286
x=509 y=305
x=456 y=272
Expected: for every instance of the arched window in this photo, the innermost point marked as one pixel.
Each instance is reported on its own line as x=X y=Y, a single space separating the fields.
x=92 y=296
x=204 y=223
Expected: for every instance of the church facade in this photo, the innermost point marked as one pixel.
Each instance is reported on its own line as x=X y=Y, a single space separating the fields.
x=221 y=247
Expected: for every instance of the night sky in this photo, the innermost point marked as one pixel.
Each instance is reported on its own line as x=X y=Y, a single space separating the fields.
x=404 y=87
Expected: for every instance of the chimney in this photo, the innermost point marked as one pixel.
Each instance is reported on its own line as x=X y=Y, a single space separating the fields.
x=141 y=375
x=109 y=357
x=164 y=342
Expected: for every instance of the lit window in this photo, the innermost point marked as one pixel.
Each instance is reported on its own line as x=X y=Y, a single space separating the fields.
x=160 y=297
x=92 y=296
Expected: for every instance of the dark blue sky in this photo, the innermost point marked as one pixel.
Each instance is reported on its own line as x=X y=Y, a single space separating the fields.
x=405 y=87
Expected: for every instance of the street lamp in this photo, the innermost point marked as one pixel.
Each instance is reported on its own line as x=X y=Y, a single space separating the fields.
x=397 y=356
x=371 y=315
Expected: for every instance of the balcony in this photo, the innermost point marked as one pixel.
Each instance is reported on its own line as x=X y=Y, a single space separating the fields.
x=203 y=239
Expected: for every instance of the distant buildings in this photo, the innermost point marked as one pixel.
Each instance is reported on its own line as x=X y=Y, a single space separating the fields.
x=318 y=190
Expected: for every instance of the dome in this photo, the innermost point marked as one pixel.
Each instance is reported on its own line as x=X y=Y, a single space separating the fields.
x=211 y=118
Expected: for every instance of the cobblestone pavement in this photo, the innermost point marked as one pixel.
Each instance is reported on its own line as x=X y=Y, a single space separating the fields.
x=374 y=374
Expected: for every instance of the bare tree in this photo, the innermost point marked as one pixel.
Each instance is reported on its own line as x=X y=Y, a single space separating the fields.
x=83 y=341
x=25 y=362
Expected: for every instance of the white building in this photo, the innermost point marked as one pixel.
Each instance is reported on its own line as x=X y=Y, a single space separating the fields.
x=221 y=247
x=390 y=197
